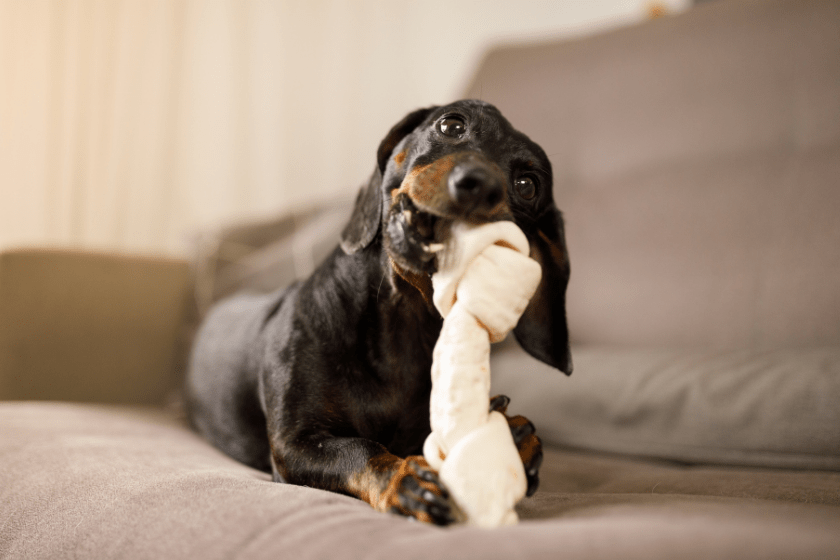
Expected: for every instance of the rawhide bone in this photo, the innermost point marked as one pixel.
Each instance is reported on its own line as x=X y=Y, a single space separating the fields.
x=484 y=281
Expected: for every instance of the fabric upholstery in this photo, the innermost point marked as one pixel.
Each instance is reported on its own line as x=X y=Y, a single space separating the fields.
x=107 y=482
x=268 y=255
x=739 y=407
x=697 y=160
x=90 y=326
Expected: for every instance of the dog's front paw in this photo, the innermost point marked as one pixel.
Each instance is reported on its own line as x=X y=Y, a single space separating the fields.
x=530 y=450
x=417 y=492
x=527 y=442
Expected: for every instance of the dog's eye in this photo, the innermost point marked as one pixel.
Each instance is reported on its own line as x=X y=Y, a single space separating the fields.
x=526 y=187
x=452 y=126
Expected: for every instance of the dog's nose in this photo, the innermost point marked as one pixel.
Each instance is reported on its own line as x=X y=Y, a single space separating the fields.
x=474 y=188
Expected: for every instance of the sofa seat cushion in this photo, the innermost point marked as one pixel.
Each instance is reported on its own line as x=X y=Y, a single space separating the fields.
x=85 y=481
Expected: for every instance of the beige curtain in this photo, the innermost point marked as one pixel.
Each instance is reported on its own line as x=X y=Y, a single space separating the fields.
x=128 y=124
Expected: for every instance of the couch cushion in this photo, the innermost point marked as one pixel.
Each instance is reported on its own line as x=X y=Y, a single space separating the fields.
x=106 y=482
x=697 y=160
x=267 y=255
x=744 y=407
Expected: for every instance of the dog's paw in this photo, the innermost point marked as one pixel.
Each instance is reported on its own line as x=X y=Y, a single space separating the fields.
x=419 y=493
x=499 y=403
x=527 y=442
x=530 y=450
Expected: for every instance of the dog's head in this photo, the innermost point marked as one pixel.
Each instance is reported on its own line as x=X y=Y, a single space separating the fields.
x=465 y=161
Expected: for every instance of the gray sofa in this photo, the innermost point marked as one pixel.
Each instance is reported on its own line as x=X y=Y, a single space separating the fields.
x=698 y=166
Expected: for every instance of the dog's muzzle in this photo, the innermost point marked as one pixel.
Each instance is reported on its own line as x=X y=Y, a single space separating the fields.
x=474 y=188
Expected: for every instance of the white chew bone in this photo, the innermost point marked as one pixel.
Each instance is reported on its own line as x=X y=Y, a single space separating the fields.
x=483 y=284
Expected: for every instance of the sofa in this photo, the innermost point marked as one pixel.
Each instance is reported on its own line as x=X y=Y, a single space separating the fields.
x=697 y=163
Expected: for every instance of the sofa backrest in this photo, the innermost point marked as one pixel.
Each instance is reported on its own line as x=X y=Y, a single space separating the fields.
x=697 y=162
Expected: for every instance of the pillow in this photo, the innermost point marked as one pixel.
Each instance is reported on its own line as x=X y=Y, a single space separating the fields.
x=263 y=256
x=772 y=408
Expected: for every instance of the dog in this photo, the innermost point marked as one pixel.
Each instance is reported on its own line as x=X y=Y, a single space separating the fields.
x=326 y=383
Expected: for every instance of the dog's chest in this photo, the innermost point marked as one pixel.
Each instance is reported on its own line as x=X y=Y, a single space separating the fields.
x=393 y=408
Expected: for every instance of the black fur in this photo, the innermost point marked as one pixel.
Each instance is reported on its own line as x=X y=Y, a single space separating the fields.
x=327 y=383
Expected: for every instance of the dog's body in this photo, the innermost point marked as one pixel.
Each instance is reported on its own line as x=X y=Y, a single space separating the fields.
x=327 y=383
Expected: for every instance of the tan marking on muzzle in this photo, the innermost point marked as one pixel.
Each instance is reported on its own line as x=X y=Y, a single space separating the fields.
x=425 y=185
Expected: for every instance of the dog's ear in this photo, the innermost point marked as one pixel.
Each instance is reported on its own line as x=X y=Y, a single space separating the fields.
x=542 y=331
x=397 y=133
x=364 y=221
x=367 y=212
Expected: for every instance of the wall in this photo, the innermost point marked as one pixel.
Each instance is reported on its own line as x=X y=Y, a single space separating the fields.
x=127 y=124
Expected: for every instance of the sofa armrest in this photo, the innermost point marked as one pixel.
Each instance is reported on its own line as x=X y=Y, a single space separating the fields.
x=92 y=327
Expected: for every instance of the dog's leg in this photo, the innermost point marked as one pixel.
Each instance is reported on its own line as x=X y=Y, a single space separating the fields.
x=526 y=440
x=406 y=487
x=366 y=470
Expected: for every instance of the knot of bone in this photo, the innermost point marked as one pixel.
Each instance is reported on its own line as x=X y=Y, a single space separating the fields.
x=484 y=282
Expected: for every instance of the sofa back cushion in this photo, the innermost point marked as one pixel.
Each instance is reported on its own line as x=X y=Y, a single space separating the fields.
x=697 y=162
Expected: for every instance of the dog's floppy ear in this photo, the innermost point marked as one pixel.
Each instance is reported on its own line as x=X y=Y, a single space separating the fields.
x=367 y=212
x=542 y=331
x=364 y=221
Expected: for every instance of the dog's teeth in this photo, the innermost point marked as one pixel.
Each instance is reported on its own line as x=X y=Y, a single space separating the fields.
x=434 y=247
x=408 y=216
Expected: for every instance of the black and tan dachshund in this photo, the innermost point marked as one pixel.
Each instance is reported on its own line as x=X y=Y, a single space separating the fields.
x=327 y=382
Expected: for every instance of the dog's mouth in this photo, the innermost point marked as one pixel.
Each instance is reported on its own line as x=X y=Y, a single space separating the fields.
x=425 y=225
x=415 y=235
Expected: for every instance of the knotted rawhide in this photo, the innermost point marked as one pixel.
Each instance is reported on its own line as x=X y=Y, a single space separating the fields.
x=485 y=280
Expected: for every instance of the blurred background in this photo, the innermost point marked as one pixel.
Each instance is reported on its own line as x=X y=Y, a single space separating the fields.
x=130 y=125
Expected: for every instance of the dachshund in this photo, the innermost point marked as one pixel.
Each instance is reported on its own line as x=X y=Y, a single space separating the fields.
x=326 y=383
